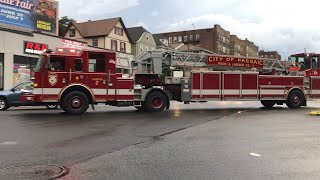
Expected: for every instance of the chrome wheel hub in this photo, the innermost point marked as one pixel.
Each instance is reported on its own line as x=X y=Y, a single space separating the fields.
x=2 y=104
x=76 y=103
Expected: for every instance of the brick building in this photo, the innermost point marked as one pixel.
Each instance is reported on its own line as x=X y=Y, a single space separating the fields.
x=237 y=48
x=270 y=54
x=216 y=39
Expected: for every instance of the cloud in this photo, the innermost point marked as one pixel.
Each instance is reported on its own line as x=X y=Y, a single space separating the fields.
x=154 y=13
x=288 y=30
x=84 y=9
x=140 y=24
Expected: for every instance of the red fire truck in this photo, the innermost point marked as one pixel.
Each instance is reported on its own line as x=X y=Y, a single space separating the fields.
x=77 y=79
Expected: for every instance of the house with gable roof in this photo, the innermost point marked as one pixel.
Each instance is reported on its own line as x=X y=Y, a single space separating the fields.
x=108 y=34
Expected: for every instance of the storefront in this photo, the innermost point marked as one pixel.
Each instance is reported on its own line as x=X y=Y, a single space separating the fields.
x=19 y=52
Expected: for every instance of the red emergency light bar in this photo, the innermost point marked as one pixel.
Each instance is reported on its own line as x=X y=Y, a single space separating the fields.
x=67 y=51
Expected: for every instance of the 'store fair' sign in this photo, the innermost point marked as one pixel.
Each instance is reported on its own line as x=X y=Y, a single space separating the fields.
x=235 y=62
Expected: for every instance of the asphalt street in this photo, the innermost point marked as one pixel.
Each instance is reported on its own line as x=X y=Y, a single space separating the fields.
x=222 y=140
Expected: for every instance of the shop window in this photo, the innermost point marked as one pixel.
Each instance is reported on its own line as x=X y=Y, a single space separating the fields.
x=170 y=40
x=175 y=40
x=57 y=63
x=78 y=65
x=72 y=32
x=180 y=39
x=95 y=42
x=191 y=37
x=23 y=69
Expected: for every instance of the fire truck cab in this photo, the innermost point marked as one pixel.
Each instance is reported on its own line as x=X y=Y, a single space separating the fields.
x=74 y=79
x=308 y=62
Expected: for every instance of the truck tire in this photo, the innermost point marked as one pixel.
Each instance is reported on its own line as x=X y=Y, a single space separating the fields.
x=295 y=99
x=268 y=104
x=75 y=103
x=3 y=104
x=155 y=102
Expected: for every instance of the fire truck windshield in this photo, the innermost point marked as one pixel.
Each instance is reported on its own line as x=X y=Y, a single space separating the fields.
x=39 y=63
x=303 y=61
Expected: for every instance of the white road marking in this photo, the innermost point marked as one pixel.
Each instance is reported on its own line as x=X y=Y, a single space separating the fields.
x=255 y=155
x=9 y=143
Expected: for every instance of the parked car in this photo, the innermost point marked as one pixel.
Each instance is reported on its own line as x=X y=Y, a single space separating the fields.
x=11 y=97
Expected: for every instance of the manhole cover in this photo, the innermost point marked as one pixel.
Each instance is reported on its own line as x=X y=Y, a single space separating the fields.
x=36 y=172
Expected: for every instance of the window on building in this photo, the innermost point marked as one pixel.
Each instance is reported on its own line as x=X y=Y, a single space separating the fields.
x=180 y=39
x=175 y=40
x=72 y=32
x=224 y=39
x=198 y=37
x=191 y=37
x=23 y=68
x=95 y=42
x=118 y=31
x=114 y=45
x=123 y=47
x=78 y=65
x=185 y=39
x=224 y=49
x=170 y=40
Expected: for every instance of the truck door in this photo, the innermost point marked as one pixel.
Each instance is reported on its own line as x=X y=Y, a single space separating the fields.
x=55 y=77
x=97 y=75
x=78 y=76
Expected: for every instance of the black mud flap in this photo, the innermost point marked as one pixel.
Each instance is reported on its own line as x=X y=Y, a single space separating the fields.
x=168 y=106
x=92 y=105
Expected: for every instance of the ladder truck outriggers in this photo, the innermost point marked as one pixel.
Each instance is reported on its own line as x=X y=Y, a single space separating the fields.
x=77 y=79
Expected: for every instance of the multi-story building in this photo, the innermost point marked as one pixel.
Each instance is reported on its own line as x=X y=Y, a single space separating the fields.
x=216 y=39
x=250 y=49
x=213 y=39
x=270 y=54
x=223 y=43
x=108 y=34
x=237 y=48
x=142 y=40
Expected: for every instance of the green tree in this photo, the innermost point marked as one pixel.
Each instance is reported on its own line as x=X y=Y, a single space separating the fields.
x=63 y=24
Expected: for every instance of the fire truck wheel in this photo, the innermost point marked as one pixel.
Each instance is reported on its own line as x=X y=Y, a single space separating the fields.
x=3 y=104
x=155 y=102
x=295 y=99
x=268 y=104
x=75 y=103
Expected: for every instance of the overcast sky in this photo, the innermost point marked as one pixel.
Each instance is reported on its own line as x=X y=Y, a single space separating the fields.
x=283 y=25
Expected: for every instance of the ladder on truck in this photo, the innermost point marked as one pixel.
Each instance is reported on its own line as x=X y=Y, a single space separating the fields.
x=152 y=62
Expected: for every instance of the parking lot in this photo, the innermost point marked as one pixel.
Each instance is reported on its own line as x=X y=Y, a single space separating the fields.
x=199 y=141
